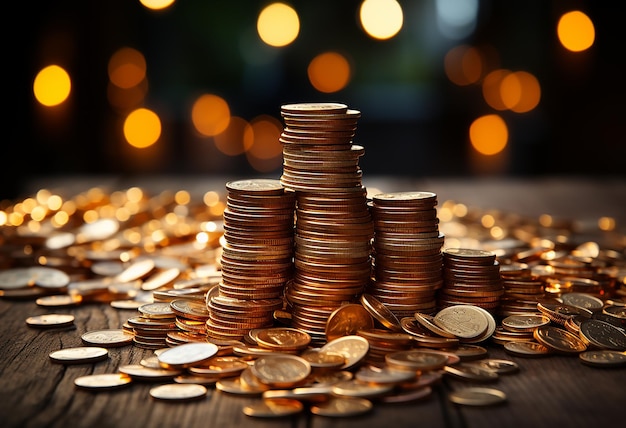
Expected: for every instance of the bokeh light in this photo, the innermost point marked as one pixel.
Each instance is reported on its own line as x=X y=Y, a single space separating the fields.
x=142 y=128
x=127 y=68
x=491 y=88
x=463 y=65
x=576 y=31
x=231 y=141
x=157 y=4
x=52 y=85
x=278 y=24
x=489 y=134
x=520 y=91
x=381 y=19
x=329 y=72
x=210 y=114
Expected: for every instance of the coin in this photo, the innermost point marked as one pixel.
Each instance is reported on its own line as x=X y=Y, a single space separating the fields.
x=283 y=338
x=415 y=359
x=273 y=408
x=582 y=300
x=471 y=372
x=524 y=322
x=384 y=375
x=477 y=396
x=104 y=381
x=559 y=340
x=381 y=312
x=464 y=321
x=527 y=349
x=342 y=407
x=602 y=335
x=499 y=366
x=139 y=372
x=353 y=348
x=603 y=358
x=346 y=320
x=187 y=355
x=135 y=270
x=178 y=392
x=157 y=310
x=108 y=338
x=50 y=320
x=281 y=370
x=79 y=355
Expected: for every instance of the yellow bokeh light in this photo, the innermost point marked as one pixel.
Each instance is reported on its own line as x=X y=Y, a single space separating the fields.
x=142 y=128
x=210 y=115
x=232 y=141
x=52 y=86
x=263 y=148
x=463 y=65
x=278 y=24
x=329 y=72
x=381 y=19
x=157 y=4
x=576 y=31
x=489 y=134
x=520 y=91
x=127 y=68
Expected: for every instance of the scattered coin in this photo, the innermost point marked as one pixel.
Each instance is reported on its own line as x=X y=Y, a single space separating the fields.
x=342 y=407
x=273 y=408
x=178 y=392
x=477 y=396
x=105 y=381
x=108 y=338
x=187 y=355
x=50 y=320
x=79 y=355
x=603 y=358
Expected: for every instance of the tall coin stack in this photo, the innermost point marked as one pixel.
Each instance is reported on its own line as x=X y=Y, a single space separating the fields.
x=471 y=277
x=257 y=258
x=407 y=260
x=334 y=227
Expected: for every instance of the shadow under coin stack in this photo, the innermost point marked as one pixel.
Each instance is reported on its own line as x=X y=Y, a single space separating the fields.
x=471 y=277
x=257 y=258
x=333 y=224
x=407 y=261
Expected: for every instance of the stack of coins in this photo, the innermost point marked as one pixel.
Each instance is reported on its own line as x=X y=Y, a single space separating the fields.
x=407 y=260
x=257 y=256
x=151 y=327
x=333 y=224
x=471 y=277
x=522 y=290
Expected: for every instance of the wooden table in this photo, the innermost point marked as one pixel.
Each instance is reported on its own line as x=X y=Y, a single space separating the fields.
x=546 y=392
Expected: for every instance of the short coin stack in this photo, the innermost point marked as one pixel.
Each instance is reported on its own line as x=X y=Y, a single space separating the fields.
x=407 y=258
x=256 y=257
x=333 y=224
x=471 y=277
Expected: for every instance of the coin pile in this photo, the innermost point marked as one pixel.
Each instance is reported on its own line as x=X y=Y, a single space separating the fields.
x=472 y=277
x=334 y=228
x=523 y=289
x=407 y=261
x=152 y=325
x=256 y=259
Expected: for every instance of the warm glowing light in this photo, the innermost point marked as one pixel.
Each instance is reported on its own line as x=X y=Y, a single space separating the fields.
x=182 y=197
x=52 y=86
x=54 y=202
x=576 y=31
x=489 y=134
x=157 y=4
x=210 y=115
x=329 y=72
x=261 y=140
x=231 y=141
x=606 y=223
x=142 y=128
x=127 y=99
x=381 y=19
x=491 y=88
x=463 y=65
x=127 y=68
x=520 y=91
x=278 y=24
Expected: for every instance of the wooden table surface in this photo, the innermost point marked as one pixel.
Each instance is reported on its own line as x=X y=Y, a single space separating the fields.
x=555 y=390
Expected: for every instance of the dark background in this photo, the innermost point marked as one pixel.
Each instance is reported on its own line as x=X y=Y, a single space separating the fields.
x=414 y=120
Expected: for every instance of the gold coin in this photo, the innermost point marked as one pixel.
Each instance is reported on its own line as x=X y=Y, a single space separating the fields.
x=464 y=321
x=347 y=320
x=342 y=407
x=323 y=359
x=475 y=396
x=471 y=372
x=384 y=375
x=235 y=385
x=499 y=366
x=354 y=348
x=135 y=270
x=381 y=312
x=582 y=300
x=524 y=322
x=602 y=335
x=187 y=355
x=283 y=338
x=59 y=300
x=224 y=365
x=157 y=310
x=178 y=392
x=415 y=359
x=108 y=338
x=105 y=381
x=281 y=370
x=160 y=279
x=526 y=349
x=50 y=320
x=603 y=358
x=79 y=355
x=139 y=372
x=273 y=408
x=314 y=108
x=559 y=340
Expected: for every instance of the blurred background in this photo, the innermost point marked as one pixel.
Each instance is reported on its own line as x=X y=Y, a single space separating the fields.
x=446 y=88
